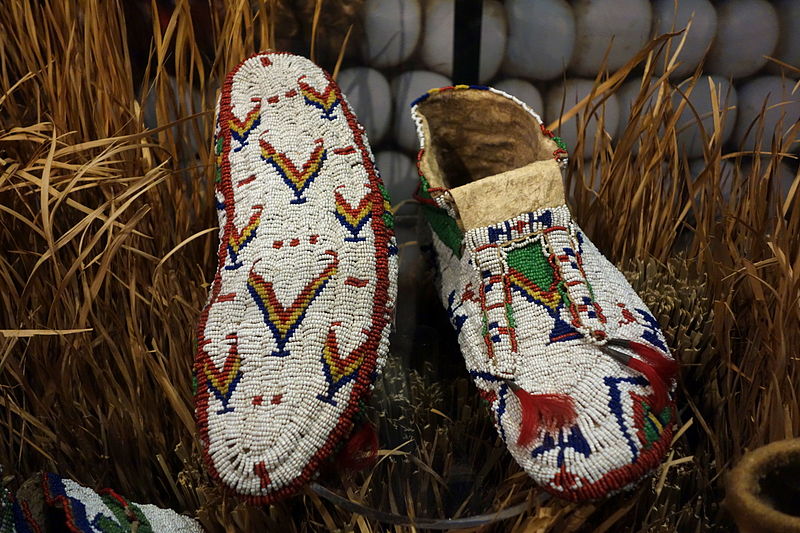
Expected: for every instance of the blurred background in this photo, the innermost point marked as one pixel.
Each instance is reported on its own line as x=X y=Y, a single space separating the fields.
x=681 y=118
x=548 y=53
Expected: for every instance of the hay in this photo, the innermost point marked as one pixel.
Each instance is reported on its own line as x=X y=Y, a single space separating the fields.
x=107 y=240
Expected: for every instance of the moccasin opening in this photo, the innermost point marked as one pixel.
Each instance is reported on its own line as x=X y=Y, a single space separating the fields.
x=479 y=133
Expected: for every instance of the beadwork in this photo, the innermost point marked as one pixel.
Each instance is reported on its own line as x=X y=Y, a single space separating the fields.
x=14 y=516
x=297 y=321
x=86 y=511
x=575 y=367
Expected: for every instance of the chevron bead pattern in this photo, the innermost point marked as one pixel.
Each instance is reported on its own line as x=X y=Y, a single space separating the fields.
x=222 y=382
x=353 y=218
x=298 y=179
x=283 y=321
x=325 y=100
x=240 y=129
x=297 y=321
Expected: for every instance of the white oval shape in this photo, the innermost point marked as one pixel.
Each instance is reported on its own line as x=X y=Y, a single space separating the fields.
x=391 y=31
x=598 y=22
x=370 y=97
x=747 y=31
x=788 y=47
x=523 y=90
x=690 y=137
x=406 y=88
x=782 y=111
x=541 y=38
x=304 y=234
x=669 y=18
x=399 y=174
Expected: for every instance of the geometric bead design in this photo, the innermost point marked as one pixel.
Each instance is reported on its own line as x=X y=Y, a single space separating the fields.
x=296 y=325
x=325 y=100
x=536 y=307
x=72 y=507
x=298 y=179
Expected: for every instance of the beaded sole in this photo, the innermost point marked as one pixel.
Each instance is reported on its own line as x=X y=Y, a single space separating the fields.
x=573 y=364
x=297 y=321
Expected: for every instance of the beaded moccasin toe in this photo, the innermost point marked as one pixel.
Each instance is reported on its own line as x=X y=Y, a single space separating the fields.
x=48 y=502
x=296 y=326
x=574 y=365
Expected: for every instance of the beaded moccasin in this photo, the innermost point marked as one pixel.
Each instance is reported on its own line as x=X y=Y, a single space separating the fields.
x=297 y=322
x=49 y=502
x=575 y=367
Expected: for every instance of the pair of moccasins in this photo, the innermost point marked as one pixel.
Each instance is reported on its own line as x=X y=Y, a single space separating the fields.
x=295 y=331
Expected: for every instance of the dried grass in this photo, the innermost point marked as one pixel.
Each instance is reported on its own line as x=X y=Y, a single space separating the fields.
x=107 y=241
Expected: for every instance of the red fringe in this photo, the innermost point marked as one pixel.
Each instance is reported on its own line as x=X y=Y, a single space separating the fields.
x=658 y=370
x=660 y=396
x=361 y=449
x=665 y=367
x=550 y=411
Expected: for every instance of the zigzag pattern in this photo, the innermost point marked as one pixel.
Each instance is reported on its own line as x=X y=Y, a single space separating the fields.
x=353 y=218
x=285 y=138
x=338 y=370
x=240 y=240
x=283 y=321
x=326 y=101
x=549 y=297
x=538 y=276
x=222 y=382
x=297 y=179
x=553 y=297
x=241 y=129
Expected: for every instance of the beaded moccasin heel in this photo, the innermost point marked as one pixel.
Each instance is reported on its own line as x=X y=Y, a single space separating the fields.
x=575 y=368
x=297 y=322
x=48 y=502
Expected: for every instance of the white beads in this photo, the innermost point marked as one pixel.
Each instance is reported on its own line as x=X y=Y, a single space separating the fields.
x=523 y=90
x=91 y=510
x=533 y=301
x=298 y=317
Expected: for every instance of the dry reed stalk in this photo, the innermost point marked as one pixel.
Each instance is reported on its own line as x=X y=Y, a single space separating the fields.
x=107 y=240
